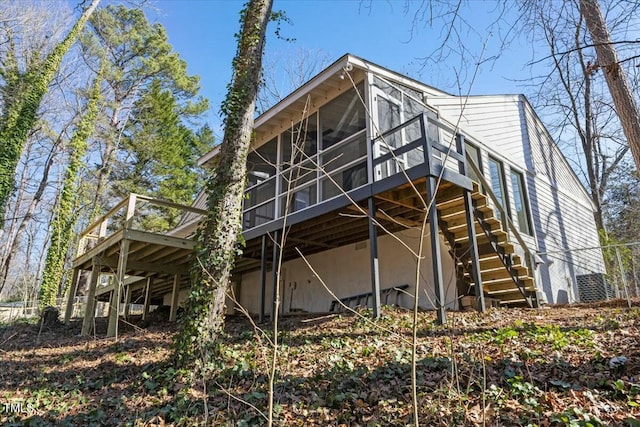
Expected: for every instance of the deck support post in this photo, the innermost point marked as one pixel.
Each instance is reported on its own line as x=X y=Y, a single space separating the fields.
x=275 y=268
x=436 y=256
x=147 y=300
x=174 y=298
x=373 y=258
x=263 y=276
x=471 y=228
x=73 y=287
x=90 y=309
x=127 y=302
x=473 y=249
x=114 y=309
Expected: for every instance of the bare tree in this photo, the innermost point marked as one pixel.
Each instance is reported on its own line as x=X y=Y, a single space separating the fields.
x=284 y=72
x=574 y=98
x=23 y=92
x=617 y=81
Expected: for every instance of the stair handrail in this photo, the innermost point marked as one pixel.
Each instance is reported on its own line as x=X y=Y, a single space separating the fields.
x=487 y=187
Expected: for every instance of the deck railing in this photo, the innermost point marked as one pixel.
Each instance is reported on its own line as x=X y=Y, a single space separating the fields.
x=415 y=144
x=136 y=211
x=418 y=141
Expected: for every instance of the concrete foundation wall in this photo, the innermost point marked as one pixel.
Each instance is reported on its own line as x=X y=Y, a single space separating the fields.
x=346 y=272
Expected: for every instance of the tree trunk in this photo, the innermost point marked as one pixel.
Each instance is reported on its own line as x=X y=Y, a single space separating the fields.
x=616 y=78
x=21 y=115
x=11 y=235
x=104 y=171
x=12 y=248
x=63 y=219
x=204 y=315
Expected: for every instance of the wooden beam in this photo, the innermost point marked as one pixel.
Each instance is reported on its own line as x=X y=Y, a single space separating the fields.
x=160 y=239
x=112 y=262
x=174 y=298
x=147 y=300
x=114 y=310
x=387 y=217
x=311 y=242
x=73 y=287
x=170 y=255
x=90 y=309
x=411 y=206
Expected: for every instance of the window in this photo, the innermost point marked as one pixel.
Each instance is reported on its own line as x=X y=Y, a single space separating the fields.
x=304 y=135
x=347 y=180
x=342 y=117
x=496 y=169
x=300 y=199
x=348 y=152
x=260 y=215
x=261 y=170
x=474 y=153
x=261 y=163
x=522 y=217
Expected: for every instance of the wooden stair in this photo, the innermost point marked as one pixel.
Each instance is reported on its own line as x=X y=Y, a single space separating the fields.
x=504 y=276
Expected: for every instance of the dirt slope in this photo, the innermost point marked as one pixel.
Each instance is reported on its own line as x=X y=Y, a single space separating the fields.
x=553 y=366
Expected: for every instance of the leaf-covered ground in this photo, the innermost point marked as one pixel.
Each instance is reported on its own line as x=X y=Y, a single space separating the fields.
x=553 y=366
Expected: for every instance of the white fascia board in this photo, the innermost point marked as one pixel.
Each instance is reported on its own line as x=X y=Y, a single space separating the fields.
x=209 y=156
x=396 y=77
x=306 y=88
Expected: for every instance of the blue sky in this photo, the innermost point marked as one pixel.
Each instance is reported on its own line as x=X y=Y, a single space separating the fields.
x=202 y=32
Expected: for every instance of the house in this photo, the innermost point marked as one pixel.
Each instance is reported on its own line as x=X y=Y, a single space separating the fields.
x=346 y=167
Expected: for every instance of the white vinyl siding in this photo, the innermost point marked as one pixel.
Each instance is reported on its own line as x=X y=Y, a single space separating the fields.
x=495 y=120
x=561 y=211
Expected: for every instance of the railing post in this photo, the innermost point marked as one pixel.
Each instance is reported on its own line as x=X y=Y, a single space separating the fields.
x=103 y=228
x=460 y=148
x=131 y=210
x=426 y=145
x=72 y=294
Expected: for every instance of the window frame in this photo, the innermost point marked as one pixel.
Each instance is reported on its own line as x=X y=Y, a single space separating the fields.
x=522 y=190
x=503 y=188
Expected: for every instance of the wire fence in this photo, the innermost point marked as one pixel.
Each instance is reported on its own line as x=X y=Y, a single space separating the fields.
x=11 y=311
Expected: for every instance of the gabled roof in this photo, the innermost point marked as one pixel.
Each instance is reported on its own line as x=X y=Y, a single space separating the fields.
x=331 y=79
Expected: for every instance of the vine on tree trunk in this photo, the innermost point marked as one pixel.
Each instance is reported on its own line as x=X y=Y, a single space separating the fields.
x=218 y=237
x=63 y=220
x=20 y=115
